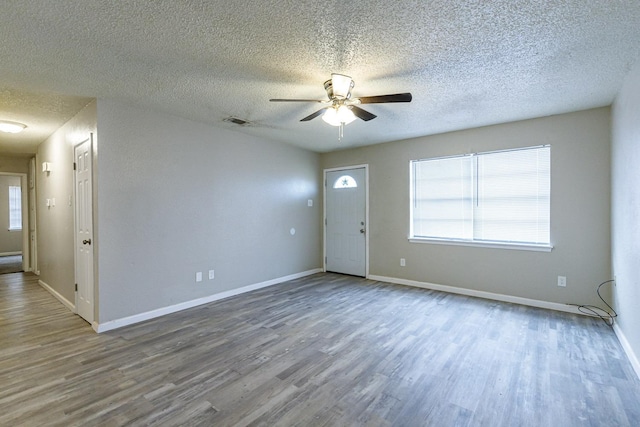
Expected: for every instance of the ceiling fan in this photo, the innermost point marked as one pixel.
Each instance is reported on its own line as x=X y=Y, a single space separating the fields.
x=341 y=108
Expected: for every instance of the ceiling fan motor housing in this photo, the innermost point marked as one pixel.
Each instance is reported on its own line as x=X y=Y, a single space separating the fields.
x=329 y=88
x=344 y=83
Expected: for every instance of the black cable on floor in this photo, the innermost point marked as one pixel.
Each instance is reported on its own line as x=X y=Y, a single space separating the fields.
x=592 y=310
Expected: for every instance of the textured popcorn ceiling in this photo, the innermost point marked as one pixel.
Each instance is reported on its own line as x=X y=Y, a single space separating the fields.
x=43 y=113
x=467 y=63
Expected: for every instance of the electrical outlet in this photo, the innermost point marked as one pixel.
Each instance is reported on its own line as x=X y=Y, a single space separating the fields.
x=212 y=274
x=403 y=263
x=562 y=281
x=199 y=276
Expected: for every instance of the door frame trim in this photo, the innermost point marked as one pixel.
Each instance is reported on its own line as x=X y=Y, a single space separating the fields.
x=24 y=210
x=366 y=214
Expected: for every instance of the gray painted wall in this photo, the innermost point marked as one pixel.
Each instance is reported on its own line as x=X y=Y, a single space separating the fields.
x=14 y=164
x=626 y=208
x=10 y=241
x=55 y=224
x=176 y=197
x=580 y=210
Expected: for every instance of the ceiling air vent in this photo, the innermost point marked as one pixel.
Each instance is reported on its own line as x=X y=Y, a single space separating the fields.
x=236 y=121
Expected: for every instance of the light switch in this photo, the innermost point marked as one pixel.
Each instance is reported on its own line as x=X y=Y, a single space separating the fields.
x=310 y=202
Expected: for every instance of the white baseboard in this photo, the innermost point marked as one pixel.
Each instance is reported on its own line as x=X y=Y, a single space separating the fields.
x=59 y=297
x=10 y=253
x=137 y=318
x=627 y=349
x=480 y=294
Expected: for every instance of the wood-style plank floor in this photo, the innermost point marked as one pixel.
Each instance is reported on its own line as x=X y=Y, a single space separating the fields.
x=325 y=350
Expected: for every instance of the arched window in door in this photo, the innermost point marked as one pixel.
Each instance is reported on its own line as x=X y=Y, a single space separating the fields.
x=345 y=181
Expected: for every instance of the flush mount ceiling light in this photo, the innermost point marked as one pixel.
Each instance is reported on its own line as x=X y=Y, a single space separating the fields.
x=341 y=108
x=11 y=127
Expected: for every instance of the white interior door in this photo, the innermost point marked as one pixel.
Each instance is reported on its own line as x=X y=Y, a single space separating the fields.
x=346 y=221
x=84 y=229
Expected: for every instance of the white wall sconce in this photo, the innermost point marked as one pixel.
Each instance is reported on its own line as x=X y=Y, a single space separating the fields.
x=46 y=167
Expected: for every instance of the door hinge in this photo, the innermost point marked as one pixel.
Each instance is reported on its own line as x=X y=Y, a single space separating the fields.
x=325 y=221
x=76 y=287
x=325 y=261
x=74 y=165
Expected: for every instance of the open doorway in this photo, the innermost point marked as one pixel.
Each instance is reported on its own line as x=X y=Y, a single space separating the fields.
x=14 y=229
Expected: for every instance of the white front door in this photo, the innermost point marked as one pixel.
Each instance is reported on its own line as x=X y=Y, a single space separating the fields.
x=345 y=230
x=84 y=229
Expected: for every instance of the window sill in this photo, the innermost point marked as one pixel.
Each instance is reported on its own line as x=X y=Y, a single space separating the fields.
x=15 y=229
x=494 y=245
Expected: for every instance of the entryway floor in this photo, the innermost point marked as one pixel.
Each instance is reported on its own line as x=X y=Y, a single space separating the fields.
x=10 y=264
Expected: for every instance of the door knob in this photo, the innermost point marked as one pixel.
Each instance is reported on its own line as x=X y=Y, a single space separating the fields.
x=86 y=242
x=362 y=230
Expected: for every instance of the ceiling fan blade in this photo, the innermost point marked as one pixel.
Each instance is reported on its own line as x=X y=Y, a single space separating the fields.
x=314 y=115
x=397 y=97
x=296 y=100
x=362 y=114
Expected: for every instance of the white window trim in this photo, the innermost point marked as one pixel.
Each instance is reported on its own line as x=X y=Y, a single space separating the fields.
x=486 y=244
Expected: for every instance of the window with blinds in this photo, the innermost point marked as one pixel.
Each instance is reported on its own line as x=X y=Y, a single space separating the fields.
x=496 y=197
x=15 y=208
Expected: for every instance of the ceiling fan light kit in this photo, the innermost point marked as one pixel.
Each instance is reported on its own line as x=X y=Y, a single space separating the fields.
x=343 y=109
x=338 y=116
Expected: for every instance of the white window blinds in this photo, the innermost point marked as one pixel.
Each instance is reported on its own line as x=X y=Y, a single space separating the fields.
x=443 y=198
x=487 y=197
